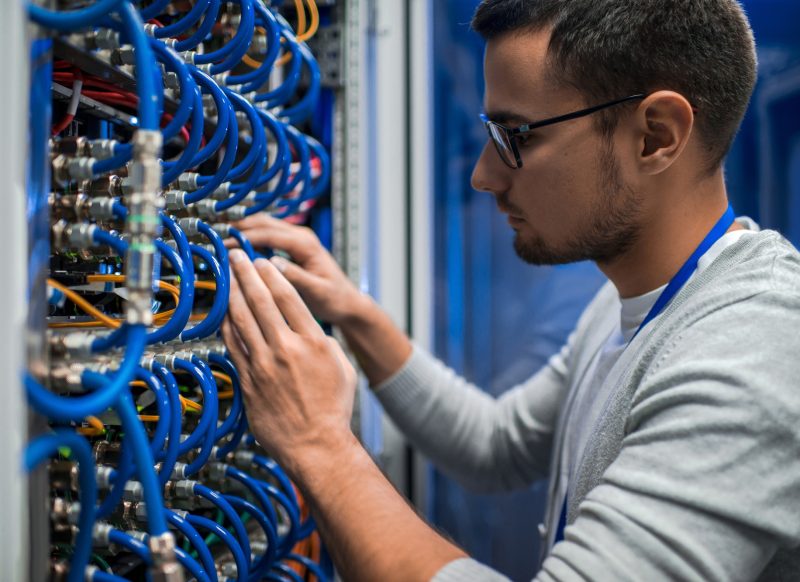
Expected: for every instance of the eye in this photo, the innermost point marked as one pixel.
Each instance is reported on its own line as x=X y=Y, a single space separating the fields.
x=524 y=139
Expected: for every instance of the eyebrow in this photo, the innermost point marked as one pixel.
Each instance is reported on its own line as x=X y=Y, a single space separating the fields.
x=510 y=117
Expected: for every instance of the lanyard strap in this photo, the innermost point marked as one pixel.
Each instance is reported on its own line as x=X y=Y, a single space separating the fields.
x=689 y=267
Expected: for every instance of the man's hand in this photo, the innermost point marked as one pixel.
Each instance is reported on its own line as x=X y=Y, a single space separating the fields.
x=297 y=384
x=325 y=288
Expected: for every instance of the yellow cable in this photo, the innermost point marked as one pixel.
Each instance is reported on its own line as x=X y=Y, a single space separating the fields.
x=87 y=307
x=301 y=17
x=302 y=35
x=96 y=427
x=314 y=26
x=227 y=395
x=149 y=417
x=224 y=377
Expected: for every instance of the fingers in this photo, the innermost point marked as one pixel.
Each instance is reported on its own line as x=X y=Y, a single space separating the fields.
x=235 y=346
x=301 y=279
x=288 y=300
x=240 y=313
x=256 y=297
x=265 y=231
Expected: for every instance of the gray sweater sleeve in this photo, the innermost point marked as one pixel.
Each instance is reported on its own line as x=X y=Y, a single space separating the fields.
x=487 y=444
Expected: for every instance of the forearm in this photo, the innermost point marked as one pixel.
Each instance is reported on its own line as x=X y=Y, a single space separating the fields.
x=380 y=347
x=369 y=529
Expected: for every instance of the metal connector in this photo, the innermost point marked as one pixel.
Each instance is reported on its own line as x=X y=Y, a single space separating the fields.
x=188 y=181
x=165 y=566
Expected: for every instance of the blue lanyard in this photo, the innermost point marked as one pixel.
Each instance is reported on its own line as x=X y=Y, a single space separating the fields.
x=678 y=281
x=689 y=267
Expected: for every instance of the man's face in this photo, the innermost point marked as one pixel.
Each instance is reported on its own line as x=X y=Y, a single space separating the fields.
x=569 y=201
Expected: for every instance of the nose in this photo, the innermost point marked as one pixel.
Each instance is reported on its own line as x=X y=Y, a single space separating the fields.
x=488 y=175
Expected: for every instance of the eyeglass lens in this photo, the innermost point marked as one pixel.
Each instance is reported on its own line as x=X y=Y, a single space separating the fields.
x=503 y=144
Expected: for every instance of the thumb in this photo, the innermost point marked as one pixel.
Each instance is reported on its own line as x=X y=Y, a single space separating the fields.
x=302 y=280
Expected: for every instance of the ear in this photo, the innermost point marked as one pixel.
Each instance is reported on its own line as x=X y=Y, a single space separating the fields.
x=664 y=124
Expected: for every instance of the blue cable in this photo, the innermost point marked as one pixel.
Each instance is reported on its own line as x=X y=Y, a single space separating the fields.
x=46 y=446
x=310 y=565
x=233 y=51
x=281 y=94
x=270 y=555
x=210 y=183
x=154 y=9
x=287 y=571
x=271 y=467
x=283 y=154
x=100 y=576
x=173 y=169
x=139 y=549
x=209 y=20
x=229 y=423
x=219 y=306
x=183 y=310
x=255 y=159
x=142 y=454
x=186 y=84
x=74 y=19
x=293 y=512
x=223 y=106
x=184 y=23
x=146 y=73
x=163 y=406
x=210 y=411
x=238 y=555
x=254 y=486
x=194 y=568
x=76 y=408
x=191 y=534
x=244 y=242
x=303 y=109
x=170 y=456
x=209 y=389
x=257 y=77
x=230 y=514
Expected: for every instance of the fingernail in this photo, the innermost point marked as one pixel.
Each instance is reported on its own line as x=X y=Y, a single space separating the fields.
x=236 y=255
x=280 y=263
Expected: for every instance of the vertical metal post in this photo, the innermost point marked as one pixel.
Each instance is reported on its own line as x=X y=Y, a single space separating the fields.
x=13 y=128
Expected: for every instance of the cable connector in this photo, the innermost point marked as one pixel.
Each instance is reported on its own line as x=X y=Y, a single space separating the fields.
x=143 y=224
x=101 y=533
x=67 y=170
x=102 y=208
x=222 y=192
x=175 y=199
x=188 y=181
x=223 y=229
x=190 y=226
x=165 y=566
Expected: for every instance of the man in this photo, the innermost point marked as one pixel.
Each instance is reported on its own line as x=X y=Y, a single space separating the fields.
x=669 y=421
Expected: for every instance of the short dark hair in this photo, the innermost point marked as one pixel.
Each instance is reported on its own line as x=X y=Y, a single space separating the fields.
x=607 y=49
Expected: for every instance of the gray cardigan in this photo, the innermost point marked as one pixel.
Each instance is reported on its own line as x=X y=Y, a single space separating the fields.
x=692 y=471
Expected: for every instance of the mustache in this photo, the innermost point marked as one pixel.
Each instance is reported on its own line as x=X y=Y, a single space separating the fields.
x=505 y=206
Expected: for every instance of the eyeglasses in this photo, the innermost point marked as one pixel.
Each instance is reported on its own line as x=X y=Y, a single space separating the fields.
x=505 y=141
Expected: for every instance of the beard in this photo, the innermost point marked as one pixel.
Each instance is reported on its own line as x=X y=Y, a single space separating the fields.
x=610 y=230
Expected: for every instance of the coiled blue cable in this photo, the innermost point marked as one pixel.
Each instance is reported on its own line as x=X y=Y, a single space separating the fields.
x=229 y=423
x=209 y=20
x=257 y=77
x=224 y=108
x=270 y=555
x=173 y=169
x=170 y=456
x=163 y=406
x=188 y=530
x=184 y=23
x=209 y=183
x=211 y=412
x=142 y=454
x=46 y=446
x=230 y=514
x=77 y=408
x=185 y=84
x=213 y=320
x=238 y=555
x=208 y=416
x=255 y=489
x=303 y=109
x=74 y=19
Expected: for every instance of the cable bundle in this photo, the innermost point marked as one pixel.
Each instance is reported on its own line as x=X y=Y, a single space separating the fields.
x=201 y=116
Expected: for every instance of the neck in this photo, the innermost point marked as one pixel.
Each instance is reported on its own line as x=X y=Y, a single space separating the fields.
x=672 y=233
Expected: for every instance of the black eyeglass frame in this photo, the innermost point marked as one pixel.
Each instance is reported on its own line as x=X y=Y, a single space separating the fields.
x=513 y=132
